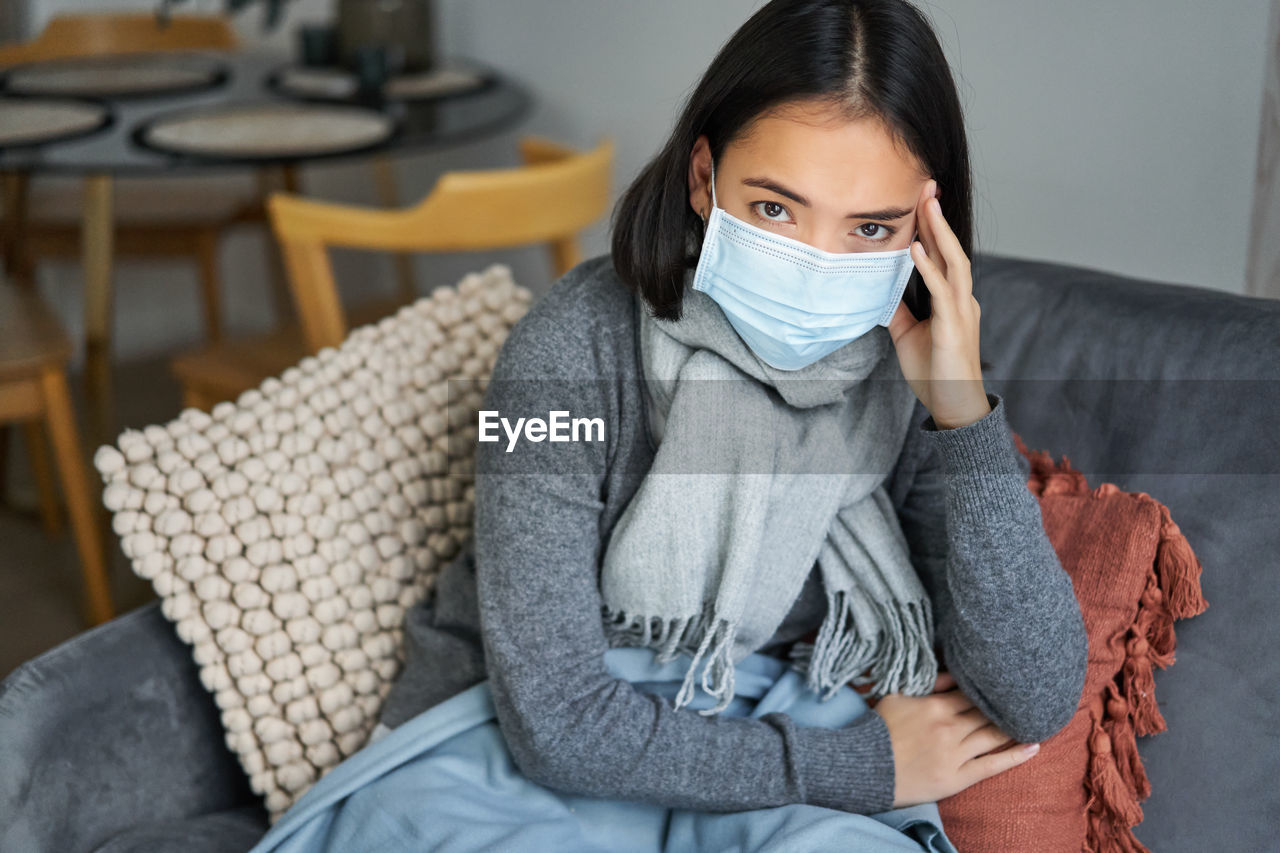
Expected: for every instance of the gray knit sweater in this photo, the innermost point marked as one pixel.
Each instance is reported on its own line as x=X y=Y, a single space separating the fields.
x=521 y=604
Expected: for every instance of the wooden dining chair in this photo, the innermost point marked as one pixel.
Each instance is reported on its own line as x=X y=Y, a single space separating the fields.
x=68 y=36
x=549 y=200
x=185 y=216
x=33 y=388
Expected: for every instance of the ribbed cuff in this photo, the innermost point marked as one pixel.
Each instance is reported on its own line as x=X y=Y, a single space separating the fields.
x=850 y=769
x=983 y=466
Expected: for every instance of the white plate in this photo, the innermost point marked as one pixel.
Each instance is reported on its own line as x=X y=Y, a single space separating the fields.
x=28 y=121
x=270 y=130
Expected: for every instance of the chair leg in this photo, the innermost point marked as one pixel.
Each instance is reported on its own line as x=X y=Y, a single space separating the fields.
x=272 y=180
x=43 y=475
x=408 y=284
x=210 y=286
x=97 y=247
x=75 y=484
x=5 y=431
x=565 y=255
x=19 y=265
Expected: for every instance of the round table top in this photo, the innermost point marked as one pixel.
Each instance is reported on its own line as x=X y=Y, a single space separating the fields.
x=251 y=78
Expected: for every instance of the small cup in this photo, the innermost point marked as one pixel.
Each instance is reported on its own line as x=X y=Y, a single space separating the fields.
x=318 y=45
x=372 y=68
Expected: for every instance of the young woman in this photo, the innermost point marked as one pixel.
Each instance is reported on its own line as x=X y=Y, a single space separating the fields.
x=801 y=243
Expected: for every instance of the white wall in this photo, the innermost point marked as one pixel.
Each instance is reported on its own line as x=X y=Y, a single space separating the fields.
x=1115 y=135
x=1262 y=276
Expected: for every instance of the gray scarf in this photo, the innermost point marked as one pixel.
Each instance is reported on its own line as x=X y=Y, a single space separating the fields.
x=759 y=472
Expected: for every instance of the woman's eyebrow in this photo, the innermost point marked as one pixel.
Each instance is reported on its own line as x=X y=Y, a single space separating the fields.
x=887 y=214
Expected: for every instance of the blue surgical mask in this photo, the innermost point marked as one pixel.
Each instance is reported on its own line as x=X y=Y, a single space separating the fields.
x=792 y=303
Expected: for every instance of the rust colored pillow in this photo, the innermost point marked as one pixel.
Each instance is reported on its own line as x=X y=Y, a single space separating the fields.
x=1133 y=573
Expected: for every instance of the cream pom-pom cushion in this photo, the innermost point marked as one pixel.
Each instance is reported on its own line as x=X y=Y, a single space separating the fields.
x=287 y=533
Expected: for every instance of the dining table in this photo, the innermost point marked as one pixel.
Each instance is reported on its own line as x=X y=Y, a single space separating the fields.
x=191 y=112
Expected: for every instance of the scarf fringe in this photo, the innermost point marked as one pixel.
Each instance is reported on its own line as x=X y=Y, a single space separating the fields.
x=671 y=637
x=839 y=655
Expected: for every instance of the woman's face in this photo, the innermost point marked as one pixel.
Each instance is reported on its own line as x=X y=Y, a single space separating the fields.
x=840 y=186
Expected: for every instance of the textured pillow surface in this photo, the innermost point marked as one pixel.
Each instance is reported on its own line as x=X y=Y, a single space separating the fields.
x=1133 y=573
x=287 y=533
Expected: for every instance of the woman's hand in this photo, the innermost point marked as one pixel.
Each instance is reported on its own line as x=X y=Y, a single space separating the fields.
x=940 y=744
x=939 y=354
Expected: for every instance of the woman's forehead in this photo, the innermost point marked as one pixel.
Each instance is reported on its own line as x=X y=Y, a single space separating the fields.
x=824 y=156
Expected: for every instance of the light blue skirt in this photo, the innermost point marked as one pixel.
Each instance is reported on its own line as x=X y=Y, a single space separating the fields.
x=445 y=781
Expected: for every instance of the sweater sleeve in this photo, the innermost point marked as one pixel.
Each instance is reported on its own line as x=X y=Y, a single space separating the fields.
x=1005 y=611
x=569 y=724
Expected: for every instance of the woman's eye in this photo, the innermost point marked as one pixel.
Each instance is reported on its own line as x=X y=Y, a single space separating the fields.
x=772 y=211
x=883 y=234
x=769 y=211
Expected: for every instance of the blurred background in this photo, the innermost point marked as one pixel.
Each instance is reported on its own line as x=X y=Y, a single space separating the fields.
x=1138 y=138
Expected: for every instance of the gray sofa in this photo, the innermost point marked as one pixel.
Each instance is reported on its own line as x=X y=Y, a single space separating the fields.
x=110 y=743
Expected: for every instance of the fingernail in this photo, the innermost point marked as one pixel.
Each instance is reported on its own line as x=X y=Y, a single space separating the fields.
x=1031 y=749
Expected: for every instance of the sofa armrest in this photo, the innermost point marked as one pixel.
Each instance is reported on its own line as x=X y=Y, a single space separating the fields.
x=110 y=730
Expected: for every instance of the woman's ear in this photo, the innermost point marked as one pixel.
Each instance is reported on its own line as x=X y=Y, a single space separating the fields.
x=700 y=177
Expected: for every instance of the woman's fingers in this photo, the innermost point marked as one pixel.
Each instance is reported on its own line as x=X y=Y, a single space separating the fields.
x=941 y=294
x=924 y=227
x=985 y=766
x=929 y=257
x=949 y=246
x=983 y=739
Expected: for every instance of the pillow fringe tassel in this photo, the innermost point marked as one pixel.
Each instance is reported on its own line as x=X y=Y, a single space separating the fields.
x=1117 y=782
x=1179 y=570
x=1112 y=805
